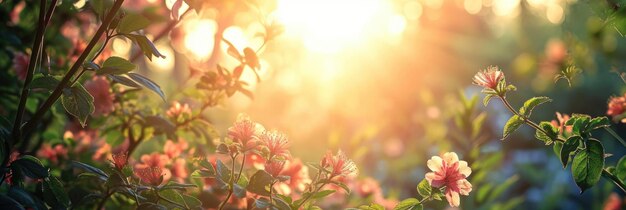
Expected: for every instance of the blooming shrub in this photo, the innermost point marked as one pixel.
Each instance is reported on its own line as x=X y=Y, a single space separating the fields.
x=107 y=145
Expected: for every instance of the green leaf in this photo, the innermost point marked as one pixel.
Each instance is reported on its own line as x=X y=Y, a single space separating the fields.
x=173 y=196
x=598 y=122
x=239 y=191
x=409 y=204
x=78 y=102
x=373 y=206
x=177 y=186
x=132 y=22
x=322 y=194
x=587 y=165
x=578 y=122
x=514 y=122
x=259 y=183
x=54 y=193
x=192 y=202
x=280 y=204
x=90 y=169
x=146 y=45
x=530 y=104
x=9 y=203
x=203 y=173
x=115 y=65
x=45 y=82
x=571 y=145
x=424 y=188
x=124 y=80
x=31 y=167
x=147 y=83
x=20 y=195
x=151 y=206
x=487 y=99
x=620 y=169
x=551 y=133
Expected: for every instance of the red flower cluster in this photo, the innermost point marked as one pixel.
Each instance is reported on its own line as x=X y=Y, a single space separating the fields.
x=616 y=107
x=150 y=175
x=99 y=87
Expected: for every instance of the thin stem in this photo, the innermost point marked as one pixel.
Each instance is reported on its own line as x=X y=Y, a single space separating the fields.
x=232 y=180
x=615 y=180
x=612 y=132
x=33 y=122
x=103 y=201
x=37 y=44
x=243 y=162
x=314 y=191
x=106 y=41
x=526 y=120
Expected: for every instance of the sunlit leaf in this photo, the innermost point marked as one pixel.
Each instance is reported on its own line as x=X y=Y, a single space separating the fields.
x=571 y=145
x=259 y=183
x=78 y=102
x=511 y=125
x=409 y=204
x=588 y=164
x=132 y=22
x=147 y=47
x=148 y=84
x=115 y=65
x=530 y=105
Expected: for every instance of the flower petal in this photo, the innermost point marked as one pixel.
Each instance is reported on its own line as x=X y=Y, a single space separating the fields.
x=464 y=169
x=435 y=163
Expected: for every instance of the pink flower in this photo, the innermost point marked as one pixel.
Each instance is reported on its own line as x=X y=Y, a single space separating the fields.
x=614 y=202
x=560 y=123
x=178 y=111
x=174 y=149
x=298 y=174
x=276 y=143
x=100 y=88
x=179 y=169
x=616 y=107
x=245 y=132
x=339 y=164
x=52 y=153
x=15 y=13
x=120 y=160
x=155 y=160
x=20 y=65
x=451 y=173
x=556 y=51
x=367 y=187
x=274 y=167
x=489 y=78
x=150 y=175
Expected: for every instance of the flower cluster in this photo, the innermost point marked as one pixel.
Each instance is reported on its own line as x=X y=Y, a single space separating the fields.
x=616 y=108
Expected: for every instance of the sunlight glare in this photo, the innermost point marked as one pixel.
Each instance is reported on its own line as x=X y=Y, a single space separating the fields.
x=340 y=24
x=199 y=37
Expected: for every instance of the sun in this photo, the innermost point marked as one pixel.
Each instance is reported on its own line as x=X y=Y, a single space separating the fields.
x=332 y=25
